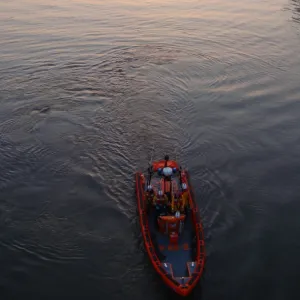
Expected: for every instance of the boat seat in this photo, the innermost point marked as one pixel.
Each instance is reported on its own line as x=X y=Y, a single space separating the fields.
x=168 y=268
x=191 y=265
x=169 y=224
x=174 y=186
x=182 y=280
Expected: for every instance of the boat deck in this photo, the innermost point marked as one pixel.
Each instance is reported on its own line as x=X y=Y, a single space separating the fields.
x=177 y=256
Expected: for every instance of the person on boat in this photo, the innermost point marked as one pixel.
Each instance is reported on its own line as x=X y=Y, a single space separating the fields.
x=185 y=195
x=161 y=203
x=150 y=195
x=177 y=204
x=161 y=198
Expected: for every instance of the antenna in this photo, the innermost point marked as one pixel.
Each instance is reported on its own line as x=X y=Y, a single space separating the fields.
x=150 y=171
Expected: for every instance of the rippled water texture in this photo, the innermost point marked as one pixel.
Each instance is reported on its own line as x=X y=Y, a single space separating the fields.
x=88 y=87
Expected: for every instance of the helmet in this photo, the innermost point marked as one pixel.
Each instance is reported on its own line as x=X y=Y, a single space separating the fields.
x=184 y=186
x=160 y=193
x=167 y=171
x=149 y=188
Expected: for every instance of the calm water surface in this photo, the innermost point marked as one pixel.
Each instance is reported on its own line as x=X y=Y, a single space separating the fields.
x=88 y=87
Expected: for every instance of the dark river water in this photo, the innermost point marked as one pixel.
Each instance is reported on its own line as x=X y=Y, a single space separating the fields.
x=88 y=87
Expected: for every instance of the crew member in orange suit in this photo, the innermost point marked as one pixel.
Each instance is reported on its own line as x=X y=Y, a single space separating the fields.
x=185 y=195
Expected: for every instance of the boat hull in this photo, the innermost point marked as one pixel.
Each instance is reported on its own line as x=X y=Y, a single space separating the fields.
x=182 y=285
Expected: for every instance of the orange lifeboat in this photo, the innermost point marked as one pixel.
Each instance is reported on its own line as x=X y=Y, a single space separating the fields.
x=173 y=242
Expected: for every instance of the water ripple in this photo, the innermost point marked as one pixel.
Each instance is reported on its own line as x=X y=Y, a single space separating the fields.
x=83 y=104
